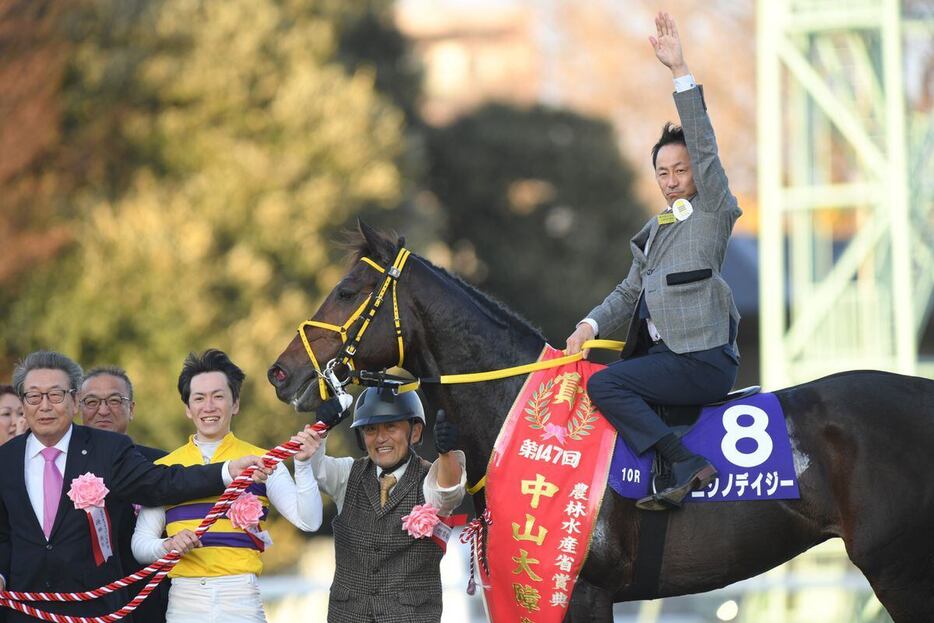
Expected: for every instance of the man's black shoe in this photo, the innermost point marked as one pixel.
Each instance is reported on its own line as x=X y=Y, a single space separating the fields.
x=688 y=475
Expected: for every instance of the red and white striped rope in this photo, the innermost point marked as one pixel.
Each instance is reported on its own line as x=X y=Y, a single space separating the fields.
x=159 y=569
x=474 y=534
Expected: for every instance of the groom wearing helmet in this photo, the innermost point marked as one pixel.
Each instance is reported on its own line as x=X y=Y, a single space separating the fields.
x=382 y=573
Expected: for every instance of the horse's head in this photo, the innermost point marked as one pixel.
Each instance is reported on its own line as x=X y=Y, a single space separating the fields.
x=295 y=374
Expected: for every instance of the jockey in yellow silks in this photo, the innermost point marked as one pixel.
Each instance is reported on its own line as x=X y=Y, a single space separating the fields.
x=225 y=549
x=216 y=577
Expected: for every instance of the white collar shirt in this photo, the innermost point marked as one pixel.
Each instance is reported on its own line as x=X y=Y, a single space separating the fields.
x=399 y=472
x=35 y=470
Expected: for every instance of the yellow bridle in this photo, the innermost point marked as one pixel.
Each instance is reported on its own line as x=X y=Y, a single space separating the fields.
x=367 y=310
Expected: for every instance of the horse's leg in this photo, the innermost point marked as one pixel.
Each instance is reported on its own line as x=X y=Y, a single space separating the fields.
x=874 y=454
x=893 y=547
x=589 y=604
x=903 y=580
x=900 y=570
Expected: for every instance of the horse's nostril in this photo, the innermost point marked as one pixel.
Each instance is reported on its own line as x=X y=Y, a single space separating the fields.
x=277 y=374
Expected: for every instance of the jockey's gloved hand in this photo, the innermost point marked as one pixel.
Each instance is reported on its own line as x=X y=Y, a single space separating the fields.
x=331 y=411
x=445 y=433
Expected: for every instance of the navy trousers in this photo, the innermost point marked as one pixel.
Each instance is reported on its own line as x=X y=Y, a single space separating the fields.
x=657 y=375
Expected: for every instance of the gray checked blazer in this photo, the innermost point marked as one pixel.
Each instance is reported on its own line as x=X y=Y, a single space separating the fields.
x=677 y=265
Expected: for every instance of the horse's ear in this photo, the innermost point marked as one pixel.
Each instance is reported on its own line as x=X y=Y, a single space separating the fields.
x=379 y=246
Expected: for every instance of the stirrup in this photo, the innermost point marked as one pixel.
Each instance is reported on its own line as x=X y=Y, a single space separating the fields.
x=655 y=503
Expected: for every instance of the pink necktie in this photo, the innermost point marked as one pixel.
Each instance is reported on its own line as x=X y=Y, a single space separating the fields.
x=51 y=489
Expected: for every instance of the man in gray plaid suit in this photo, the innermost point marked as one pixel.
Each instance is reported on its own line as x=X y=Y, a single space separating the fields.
x=681 y=345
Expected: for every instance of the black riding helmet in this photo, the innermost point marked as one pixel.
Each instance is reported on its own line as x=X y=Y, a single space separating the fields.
x=380 y=405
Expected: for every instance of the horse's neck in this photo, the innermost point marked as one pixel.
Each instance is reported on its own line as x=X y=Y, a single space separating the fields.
x=460 y=333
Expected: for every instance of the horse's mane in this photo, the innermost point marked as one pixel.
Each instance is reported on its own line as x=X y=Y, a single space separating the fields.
x=485 y=301
x=498 y=311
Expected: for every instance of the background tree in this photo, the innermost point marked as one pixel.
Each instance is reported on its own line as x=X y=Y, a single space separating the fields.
x=539 y=209
x=244 y=149
x=367 y=38
x=218 y=161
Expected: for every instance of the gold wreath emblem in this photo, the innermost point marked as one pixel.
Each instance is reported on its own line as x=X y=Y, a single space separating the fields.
x=581 y=423
x=536 y=410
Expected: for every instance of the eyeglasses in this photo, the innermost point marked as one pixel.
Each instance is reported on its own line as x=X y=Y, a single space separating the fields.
x=114 y=401
x=56 y=396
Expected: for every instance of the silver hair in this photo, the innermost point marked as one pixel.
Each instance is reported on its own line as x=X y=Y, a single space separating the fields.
x=46 y=360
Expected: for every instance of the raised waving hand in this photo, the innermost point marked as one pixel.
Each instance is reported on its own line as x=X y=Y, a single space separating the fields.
x=667 y=45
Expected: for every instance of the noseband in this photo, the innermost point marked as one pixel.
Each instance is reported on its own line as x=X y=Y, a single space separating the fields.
x=327 y=378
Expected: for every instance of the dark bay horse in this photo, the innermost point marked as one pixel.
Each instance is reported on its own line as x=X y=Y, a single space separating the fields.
x=864 y=442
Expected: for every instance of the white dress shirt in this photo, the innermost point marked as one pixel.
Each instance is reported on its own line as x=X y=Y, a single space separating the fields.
x=35 y=470
x=332 y=474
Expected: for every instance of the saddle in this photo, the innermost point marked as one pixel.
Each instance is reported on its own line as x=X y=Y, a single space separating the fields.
x=681 y=419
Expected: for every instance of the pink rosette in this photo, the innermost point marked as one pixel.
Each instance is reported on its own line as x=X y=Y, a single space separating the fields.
x=88 y=491
x=556 y=431
x=245 y=512
x=421 y=521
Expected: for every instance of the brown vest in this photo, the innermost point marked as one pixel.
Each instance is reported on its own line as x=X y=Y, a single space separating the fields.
x=383 y=574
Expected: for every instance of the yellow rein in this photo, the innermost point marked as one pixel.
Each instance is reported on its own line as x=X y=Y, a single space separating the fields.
x=392 y=276
x=493 y=375
x=446 y=379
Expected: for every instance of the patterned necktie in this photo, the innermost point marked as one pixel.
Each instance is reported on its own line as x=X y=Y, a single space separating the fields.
x=51 y=489
x=386 y=482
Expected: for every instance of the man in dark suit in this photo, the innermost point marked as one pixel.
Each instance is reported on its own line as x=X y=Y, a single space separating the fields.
x=45 y=541
x=106 y=403
x=681 y=344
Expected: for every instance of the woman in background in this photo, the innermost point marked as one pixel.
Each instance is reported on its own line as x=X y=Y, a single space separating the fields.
x=11 y=412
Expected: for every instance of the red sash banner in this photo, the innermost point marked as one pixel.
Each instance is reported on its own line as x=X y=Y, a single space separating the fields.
x=101 y=540
x=545 y=482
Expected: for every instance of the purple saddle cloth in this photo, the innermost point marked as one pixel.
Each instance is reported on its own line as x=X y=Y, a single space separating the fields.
x=745 y=439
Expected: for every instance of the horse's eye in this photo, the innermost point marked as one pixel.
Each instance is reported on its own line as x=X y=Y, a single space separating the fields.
x=345 y=295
